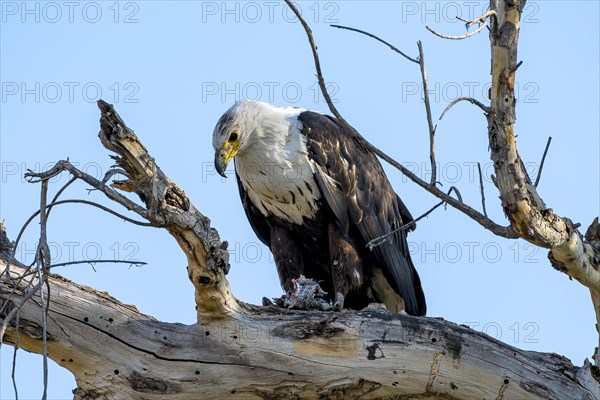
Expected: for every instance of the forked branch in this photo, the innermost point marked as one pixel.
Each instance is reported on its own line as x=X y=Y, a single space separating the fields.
x=487 y=223
x=165 y=205
x=482 y=20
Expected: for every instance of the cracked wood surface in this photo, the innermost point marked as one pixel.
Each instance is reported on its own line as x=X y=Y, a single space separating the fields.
x=115 y=352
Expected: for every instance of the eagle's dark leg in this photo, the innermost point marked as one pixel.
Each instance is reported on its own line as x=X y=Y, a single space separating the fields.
x=346 y=265
x=288 y=257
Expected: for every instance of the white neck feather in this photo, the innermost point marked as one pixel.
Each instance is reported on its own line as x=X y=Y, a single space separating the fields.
x=273 y=162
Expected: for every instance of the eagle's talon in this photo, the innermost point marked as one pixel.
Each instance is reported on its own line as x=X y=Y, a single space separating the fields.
x=338 y=304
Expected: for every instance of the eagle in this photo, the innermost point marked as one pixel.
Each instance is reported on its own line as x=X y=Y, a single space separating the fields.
x=316 y=197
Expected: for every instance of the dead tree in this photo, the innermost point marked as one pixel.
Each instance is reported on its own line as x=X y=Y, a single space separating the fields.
x=237 y=350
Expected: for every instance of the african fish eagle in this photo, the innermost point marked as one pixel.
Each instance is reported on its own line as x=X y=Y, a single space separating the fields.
x=315 y=196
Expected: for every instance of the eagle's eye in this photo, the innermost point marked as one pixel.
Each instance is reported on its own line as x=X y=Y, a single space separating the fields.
x=233 y=136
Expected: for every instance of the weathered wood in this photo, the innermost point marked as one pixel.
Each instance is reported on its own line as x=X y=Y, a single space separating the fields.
x=169 y=206
x=523 y=206
x=115 y=352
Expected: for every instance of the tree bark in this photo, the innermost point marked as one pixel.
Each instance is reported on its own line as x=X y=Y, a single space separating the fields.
x=523 y=206
x=115 y=352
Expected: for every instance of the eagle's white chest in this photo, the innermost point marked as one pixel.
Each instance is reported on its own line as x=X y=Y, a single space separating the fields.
x=280 y=181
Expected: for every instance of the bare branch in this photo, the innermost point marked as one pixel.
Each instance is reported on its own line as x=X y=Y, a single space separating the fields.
x=460 y=37
x=504 y=231
x=481 y=189
x=78 y=201
x=103 y=208
x=46 y=211
x=60 y=191
x=14 y=360
x=428 y=112
x=28 y=293
x=43 y=261
x=481 y=18
x=383 y=238
x=421 y=62
x=539 y=174
x=112 y=194
x=91 y=262
x=313 y=47
x=394 y=48
x=471 y=100
x=455 y=190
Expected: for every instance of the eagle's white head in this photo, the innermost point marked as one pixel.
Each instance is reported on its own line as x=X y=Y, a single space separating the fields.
x=272 y=162
x=250 y=127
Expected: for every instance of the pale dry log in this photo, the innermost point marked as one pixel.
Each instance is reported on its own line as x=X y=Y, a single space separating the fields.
x=527 y=212
x=115 y=352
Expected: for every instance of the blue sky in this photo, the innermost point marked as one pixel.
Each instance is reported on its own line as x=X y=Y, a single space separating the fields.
x=172 y=69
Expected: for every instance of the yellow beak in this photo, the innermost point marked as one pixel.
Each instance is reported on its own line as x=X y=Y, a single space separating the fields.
x=225 y=155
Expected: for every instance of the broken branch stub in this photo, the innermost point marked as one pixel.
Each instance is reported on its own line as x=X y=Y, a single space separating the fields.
x=169 y=206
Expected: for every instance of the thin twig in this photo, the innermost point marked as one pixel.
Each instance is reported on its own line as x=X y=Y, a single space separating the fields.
x=104 y=208
x=91 y=263
x=49 y=206
x=98 y=261
x=80 y=201
x=421 y=62
x=460 y=37
x=481 y=18
x=313 y=47
x=517 y=65
x=62 y=165
x=378 y=240
x=471 y=100
x=61 y=190
x=55 y=203
x=539 y=174
x=16 y=282
x=381 y=239
x=14 y=360
x=455 y=190
x=391 y=46
x=16 y=243
x=428 y=112
x=481 y=189
x=27 y=295
x=44 y=260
